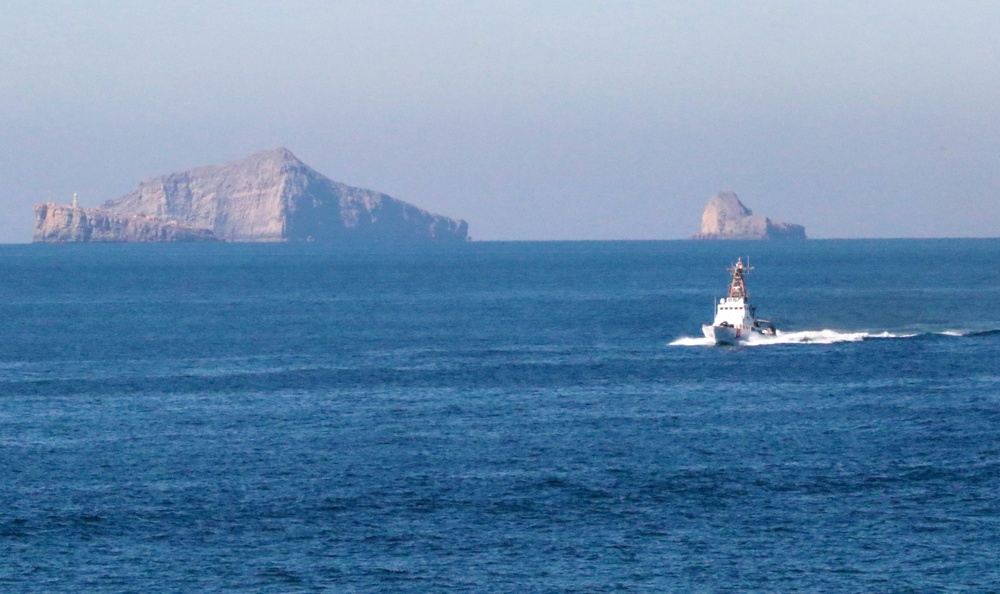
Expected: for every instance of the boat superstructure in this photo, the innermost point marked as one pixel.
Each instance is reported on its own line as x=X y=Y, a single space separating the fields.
x=735 y=319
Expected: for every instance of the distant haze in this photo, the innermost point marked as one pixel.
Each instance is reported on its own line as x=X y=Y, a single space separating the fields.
x=530 y=120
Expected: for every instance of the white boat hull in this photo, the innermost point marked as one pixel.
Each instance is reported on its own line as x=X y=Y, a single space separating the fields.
x=724 y=334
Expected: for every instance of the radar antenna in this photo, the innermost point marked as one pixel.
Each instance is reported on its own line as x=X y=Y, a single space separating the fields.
x=738 y=289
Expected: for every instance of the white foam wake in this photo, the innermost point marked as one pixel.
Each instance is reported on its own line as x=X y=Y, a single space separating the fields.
x=958 y=333
x=692 y=341
x=802 y=337
x=820 y=337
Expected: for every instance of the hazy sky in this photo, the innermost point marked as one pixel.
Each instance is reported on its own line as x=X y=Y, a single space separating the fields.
x=531 y=120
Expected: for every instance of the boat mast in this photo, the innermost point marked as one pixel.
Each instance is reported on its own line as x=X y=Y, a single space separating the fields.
x=738 y=289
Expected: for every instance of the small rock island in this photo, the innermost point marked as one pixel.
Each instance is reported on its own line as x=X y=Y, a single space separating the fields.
x=269 y=196
x=725 y=217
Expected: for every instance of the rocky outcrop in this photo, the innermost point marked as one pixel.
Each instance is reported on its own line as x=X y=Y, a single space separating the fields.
x=56 y=223
x=268 y=196
x=725 y=217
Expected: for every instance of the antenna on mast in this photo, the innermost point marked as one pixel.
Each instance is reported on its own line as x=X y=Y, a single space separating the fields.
x=75 y=203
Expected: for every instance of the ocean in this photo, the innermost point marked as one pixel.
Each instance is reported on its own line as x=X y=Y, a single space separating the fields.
x=498 y=417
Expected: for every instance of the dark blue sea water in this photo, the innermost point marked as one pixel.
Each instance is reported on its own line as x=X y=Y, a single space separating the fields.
x=498 y=417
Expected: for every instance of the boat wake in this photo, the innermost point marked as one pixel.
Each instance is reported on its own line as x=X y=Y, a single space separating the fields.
x=826 y=337
x=803 y=337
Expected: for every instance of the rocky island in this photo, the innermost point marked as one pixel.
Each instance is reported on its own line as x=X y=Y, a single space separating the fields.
x=269 y=196
x=725 y=217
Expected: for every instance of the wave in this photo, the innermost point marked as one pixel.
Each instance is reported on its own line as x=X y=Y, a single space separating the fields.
x=964 y=333
x=830 y=337
x=982 y=333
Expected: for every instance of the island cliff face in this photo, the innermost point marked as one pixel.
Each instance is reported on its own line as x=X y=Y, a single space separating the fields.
x=57 y=223
x=725 y=217
x=268 y=196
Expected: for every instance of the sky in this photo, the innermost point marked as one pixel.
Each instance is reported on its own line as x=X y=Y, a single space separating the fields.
x=552 y=120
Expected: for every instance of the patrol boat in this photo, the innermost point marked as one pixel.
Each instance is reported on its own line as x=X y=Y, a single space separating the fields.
x=735 y=319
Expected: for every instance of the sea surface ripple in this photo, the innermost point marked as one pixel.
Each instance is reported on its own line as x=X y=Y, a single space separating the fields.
x=498 y=416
